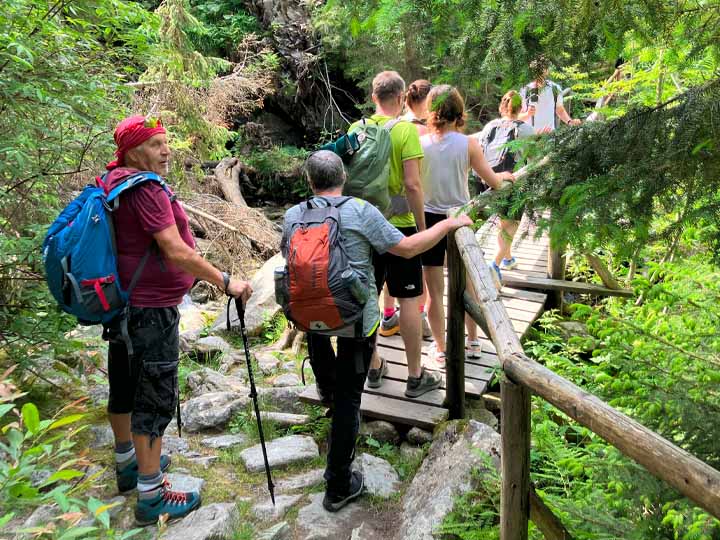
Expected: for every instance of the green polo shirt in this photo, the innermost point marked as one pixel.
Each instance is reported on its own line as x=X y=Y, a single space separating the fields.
x=405 y=145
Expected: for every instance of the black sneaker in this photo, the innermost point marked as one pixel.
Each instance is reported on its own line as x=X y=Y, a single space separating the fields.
x=417 y=386
x=333 y=503
x=374 y=376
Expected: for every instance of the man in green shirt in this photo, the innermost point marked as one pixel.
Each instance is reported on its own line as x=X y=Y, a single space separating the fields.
x=403 y=276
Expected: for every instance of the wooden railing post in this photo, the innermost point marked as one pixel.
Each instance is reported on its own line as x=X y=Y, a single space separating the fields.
x=556 y=270
x=455 y=333
x=515 y=490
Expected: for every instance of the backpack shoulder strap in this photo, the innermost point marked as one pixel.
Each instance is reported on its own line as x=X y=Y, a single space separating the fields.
x=133 y=181
x=392 y=123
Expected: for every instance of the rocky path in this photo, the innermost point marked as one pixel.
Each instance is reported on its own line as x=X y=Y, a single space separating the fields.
x=412 y=477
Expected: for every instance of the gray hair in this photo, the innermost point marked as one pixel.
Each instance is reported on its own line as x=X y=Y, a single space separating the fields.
x=324 y=170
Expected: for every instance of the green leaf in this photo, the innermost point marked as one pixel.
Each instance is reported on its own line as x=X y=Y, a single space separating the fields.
x=7 y=517
x=31 y=417
x=77 y=532
x=65 y=420
x=6 y=407
x=67 y=474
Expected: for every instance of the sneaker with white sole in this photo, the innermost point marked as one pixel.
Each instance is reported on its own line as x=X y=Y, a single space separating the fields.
x=391 y=325
x=426 y=330
x=375 y=376
x=435 y=358
x=508 y=264
x=417 y=386
x=473 y=348
x=496 y=268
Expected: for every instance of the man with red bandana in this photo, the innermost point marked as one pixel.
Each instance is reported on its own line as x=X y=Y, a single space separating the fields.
x=143 y=386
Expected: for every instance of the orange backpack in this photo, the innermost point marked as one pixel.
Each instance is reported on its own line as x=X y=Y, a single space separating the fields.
x=317 y=288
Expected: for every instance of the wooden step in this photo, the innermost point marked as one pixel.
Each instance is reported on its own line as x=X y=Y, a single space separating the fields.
x=393 y=410
x=517 y=279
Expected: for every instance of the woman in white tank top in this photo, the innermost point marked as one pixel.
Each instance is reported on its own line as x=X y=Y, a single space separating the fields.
x=449 y=155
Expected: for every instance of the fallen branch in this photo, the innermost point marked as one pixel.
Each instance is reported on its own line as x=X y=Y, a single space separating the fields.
x=207 y=216
x=603 y=271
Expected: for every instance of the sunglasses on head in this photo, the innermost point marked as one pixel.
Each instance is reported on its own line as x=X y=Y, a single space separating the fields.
x=151 y=122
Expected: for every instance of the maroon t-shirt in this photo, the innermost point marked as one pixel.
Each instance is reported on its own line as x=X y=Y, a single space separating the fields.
x=144 y=211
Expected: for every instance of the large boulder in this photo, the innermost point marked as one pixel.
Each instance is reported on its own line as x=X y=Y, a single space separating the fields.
x=285 y=398
x=305 y=480
x=316 y=523
x=381 y=431
x=281 y=531
x=269 y=511
x=262 y=305
x=205 y=381
x=213 y=410
x=379 y=476
x=444 y=475
x=221 y=442
x=281 y=452
x=212 y=522
x=210 y=347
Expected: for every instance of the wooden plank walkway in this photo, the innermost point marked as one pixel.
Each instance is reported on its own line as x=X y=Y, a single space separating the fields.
x=389 y=402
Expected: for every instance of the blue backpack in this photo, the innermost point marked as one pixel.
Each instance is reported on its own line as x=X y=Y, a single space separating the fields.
x=80 y=254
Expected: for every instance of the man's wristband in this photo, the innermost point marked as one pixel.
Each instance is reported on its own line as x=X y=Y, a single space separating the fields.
x=226 y=282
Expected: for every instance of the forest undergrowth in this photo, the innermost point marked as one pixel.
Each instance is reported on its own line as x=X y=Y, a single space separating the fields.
x=659 y=363
x=639 y=190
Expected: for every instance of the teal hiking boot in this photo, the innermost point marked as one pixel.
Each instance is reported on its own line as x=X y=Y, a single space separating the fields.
x=176 y=504
x=127 y=477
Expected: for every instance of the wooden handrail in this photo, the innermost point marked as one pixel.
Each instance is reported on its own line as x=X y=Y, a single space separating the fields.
x=690 y=476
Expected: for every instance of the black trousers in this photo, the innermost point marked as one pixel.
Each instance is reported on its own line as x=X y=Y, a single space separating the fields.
x=340 y=379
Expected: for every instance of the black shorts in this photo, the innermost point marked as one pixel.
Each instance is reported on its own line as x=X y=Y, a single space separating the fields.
x=403 y=276
x=146 y=384
x=435 y=256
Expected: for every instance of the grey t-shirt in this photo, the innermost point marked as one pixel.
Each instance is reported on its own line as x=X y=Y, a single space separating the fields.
x=364 y=229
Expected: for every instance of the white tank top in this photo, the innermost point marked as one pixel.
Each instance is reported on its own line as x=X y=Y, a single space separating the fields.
x=444 y=171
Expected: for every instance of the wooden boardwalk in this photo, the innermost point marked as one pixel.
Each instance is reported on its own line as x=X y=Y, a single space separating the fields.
x=389 y=402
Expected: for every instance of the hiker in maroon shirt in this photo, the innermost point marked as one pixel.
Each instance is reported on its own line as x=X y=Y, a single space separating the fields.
x=144 y=386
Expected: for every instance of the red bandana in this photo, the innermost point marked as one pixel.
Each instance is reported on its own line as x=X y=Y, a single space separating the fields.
x=132 y=132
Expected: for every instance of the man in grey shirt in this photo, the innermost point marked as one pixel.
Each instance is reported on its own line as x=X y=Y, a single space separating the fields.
x=339 y=379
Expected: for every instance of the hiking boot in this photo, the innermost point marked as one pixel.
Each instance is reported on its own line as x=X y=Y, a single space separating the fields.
x=417 y=386
x=127 y=478
x=374 y=376
x=391 y=325
x=332 y=502
x=152 y=504
x=426 y=330
x=508 y=264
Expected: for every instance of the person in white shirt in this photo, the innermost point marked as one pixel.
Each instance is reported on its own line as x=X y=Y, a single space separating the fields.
x=449 y=156
x=543 y=100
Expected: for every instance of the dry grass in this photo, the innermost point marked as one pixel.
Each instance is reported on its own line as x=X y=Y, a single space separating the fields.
x=257 y=238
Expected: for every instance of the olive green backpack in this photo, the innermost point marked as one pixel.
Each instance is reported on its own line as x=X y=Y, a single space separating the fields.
x=366 y=152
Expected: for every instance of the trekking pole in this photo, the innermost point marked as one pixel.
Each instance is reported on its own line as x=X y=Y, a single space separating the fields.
x=253 y=391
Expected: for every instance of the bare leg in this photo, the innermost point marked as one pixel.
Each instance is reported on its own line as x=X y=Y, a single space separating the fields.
x=148 y=457
x=507 y=231
x=469 y=322
x=411 y=331
x=435 y=281
x=388 y=301
x=120 y=424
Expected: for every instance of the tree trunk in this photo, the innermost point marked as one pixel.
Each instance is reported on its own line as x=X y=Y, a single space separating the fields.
x=227 y=174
